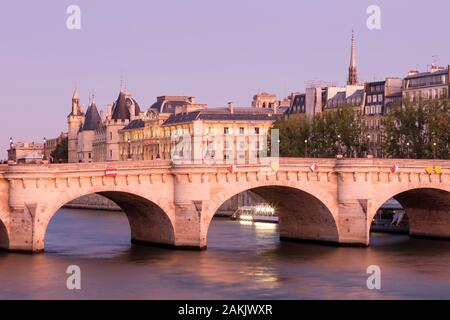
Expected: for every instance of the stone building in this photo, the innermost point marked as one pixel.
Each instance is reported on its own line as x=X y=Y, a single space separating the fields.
x=26 y=152
x=126 y=132
x=265 y=100
x=194 y=132
x=378 y=96
x=91 y=136
x=433 y=84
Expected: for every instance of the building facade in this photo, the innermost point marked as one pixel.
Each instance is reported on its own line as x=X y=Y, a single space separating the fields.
x=378 y=96
x=26 y=152
x=434 y=84
x=174 y=126
x=92 y=137
x=201 y=134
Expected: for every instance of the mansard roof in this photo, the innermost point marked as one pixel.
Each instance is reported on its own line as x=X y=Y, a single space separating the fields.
x=222 y=114
x=168 y=104
x=135 y=124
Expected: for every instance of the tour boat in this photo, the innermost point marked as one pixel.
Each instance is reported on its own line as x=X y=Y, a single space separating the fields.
x=257 y=213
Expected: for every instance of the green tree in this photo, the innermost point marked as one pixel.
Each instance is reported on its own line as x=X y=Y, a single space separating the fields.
x=61 y=152
x=418 y=130
x=327 y=134
x=293 y=131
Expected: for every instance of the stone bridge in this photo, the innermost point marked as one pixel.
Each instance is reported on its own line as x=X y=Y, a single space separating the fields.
x=173 y=205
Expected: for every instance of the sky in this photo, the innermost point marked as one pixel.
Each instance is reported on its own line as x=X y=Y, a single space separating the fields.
x=217 y=51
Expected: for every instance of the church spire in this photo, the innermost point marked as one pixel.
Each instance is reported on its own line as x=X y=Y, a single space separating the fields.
x=352 y=71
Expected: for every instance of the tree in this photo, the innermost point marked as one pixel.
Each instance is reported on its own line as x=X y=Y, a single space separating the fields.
x=293 y=131
x=61 y=152
x=326 y=134
x=418 y=130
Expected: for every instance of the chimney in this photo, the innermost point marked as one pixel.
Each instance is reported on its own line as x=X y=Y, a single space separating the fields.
x=191 y=100
x=102 y=116
x=434 y=68
x=231 y=107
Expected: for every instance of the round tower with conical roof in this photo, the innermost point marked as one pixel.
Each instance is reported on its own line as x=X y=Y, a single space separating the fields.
x=75 y=121
x=86 y=134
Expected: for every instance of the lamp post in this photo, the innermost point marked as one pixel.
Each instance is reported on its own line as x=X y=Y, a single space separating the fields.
x=306 y=148
x=434 y=150
x=129 y=149
x=407 y=149
x=339 y=145
x=157 y=150
x=10 y=151
x=45 y=149
x=369 y=149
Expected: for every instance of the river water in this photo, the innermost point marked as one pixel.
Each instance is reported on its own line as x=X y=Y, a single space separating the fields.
x=242 y=262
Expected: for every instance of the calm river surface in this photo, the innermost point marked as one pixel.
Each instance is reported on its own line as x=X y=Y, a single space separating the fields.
x=242 y=262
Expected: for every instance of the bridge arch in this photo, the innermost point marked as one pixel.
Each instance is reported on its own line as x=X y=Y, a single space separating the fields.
x=4 y=237
x=427 y=208
x=305 y=212
x=4 y=233
x=151 y=220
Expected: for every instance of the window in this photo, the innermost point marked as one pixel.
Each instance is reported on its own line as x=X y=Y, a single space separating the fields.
x=90 y=155
x=257 y=130
x=110 y=154
x=110 y=135
x=226 y=130
x=241 y=130
x=374 y=98
x=380 y=98
x=369 y=99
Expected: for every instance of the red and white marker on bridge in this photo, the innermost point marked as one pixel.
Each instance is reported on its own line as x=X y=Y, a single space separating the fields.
x=111 y=172
x=395 y=168
x=314 y=167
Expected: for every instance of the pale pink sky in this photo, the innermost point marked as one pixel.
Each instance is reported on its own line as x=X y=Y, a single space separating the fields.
x=218 y=51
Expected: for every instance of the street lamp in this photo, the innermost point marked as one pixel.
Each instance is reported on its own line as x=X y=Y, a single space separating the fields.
x=306 y=148
x=407 y=149
x=369 y=151
x=339 y=144
x=45 y=149
x=129 y=149
x=11 y=143
x=157 y=151
x=434 y=150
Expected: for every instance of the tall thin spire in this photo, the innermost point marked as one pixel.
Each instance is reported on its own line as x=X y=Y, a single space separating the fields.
x=352 y=70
